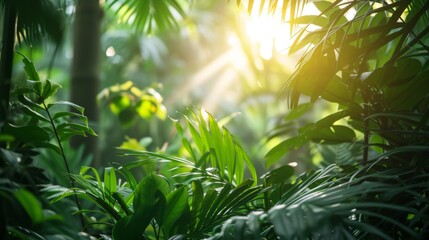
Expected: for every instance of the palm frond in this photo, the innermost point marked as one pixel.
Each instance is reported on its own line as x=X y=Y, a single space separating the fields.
x=344 y=205
x=148 y=15
x=38 y=19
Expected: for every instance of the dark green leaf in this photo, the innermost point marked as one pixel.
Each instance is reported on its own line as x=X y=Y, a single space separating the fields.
x=27 y=134
x=177 y=202
x=283 y=148
x=278 y=175
x=32 y=113
x=146 y=192
x=30 y=203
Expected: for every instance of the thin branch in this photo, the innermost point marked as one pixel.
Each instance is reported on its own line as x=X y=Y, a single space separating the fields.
x=72 y=181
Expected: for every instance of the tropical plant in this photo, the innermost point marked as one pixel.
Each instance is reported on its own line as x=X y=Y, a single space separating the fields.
x=27 y=22
x=200 y=195
x=341 y=203
x=374 y=66
x=37 y=123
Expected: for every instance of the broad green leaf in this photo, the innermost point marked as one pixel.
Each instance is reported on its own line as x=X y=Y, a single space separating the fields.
x=331 y=119
x=283 y=148
x=49 y=89
x=337 y=91
x=332 y=135
x=197 y=196
x=49 y=145
x=324 y=6
x=35 y=86
x=28 y=102
x=298 y=111
x=278 y=175
x=75 y=127
x=30 y=69
x=30 y=112
x=146 y=193
x=69 y=104
x=177 y=202
x=134 y=226
x=46 y=89
x=30 y=203
x=30 y=133
x=109 y=180
x=60 y=115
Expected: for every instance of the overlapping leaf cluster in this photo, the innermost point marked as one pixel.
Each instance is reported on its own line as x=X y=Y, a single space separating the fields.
x=202 y=193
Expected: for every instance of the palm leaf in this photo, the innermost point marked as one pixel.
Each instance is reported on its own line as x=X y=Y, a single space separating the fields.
x=344 y=205
x=148 y=15
x=38 y=19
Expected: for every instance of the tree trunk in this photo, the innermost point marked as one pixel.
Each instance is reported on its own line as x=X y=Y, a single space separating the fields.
x=85 y=67
x=6 y=61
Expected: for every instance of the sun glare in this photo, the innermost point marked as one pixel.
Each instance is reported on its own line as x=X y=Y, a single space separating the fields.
x=269 y=32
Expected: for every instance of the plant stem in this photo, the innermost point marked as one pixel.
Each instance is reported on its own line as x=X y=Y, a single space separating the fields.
x=365 y=127
x=72 y=181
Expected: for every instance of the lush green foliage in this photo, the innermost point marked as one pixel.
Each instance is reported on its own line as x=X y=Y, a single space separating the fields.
x=373 y=182
x=38 y=123
x=200 y=195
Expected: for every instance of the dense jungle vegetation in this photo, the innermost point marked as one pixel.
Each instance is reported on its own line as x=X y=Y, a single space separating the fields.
x=193 y=119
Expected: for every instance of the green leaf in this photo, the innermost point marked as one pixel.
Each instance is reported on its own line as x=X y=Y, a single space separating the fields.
x=312 y=19
x=177 y=203
x=33 y=113
x=198 y=196
x=217 y=205
x=49 y=89
x=35 y=86
x=146 y=192
x=278 y=175
x=233 y=198
x=69 y=104
x=332 y=135
x=134 y=226
x=298 y=111
x=331 y=119
x=207 y=203
x=30 y=69
x=283 y=148
x=30 y=203
x=85 y=169
x=27 y=134
x=60 y=115
x=128 y=176
x=110 y=180
x=67 y=129
x=28 y=102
